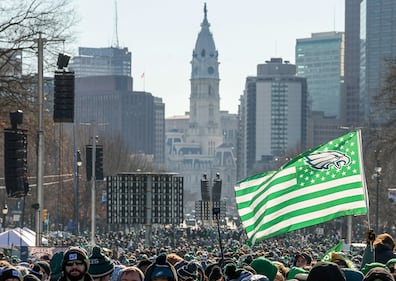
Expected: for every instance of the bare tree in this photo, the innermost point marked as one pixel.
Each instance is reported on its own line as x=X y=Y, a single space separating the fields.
x=380 y=145
x=21 y=22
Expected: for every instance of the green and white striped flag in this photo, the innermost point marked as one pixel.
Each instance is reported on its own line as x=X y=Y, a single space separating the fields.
x=319 y=185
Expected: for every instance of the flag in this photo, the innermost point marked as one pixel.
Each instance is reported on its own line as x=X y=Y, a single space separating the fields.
x=319 y=185
x=336 y=248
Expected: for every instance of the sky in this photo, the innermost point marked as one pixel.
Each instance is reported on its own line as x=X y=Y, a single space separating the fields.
x=161 y=36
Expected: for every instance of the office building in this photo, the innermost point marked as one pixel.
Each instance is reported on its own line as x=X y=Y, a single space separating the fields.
x=104 y=94
x=273 y=116
x=320 y=59
x=101 y=62
x=378 y=44
x=350 y=101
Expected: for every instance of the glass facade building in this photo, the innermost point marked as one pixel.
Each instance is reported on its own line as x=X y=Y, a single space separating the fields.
x=321 y=60
x=102 y=62
x=378 y=43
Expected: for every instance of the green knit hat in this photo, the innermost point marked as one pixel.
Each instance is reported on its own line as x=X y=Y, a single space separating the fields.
x=294 y=271
x=100 y=265
x=265 y=267
x=369 y=266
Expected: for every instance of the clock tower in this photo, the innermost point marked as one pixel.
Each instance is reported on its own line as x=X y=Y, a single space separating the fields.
x=204 y=124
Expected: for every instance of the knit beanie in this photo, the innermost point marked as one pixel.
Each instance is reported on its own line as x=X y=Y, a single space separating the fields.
x=36 y=271
x=55 y=265
x=370 y=266
x=10 y=272
x=325 y=271
x=291 y=274
x=161 y=268
x=30 y=277
x=215 y=274
x=45 y=267
x=189 y=270
x=378 y=273
x=100 y=265
x=265 y=267
x=73 y=254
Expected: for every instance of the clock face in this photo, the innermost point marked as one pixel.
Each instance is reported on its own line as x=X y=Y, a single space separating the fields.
x=210 y=70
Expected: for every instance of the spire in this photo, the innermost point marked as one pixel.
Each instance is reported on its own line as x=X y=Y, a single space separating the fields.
x=205 y=23
x=116 y=43
x=205 y=54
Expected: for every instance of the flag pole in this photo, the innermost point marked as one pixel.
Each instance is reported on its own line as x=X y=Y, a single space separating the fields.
x=143 y=76
x=216 y=213
x=359 y=132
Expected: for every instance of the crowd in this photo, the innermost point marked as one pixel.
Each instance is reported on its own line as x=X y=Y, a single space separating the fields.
x=196 y=255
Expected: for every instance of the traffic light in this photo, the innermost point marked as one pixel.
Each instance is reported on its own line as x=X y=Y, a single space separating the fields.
x=98 y=162
x=64 y=96
x=15 y=162
x=205 y=188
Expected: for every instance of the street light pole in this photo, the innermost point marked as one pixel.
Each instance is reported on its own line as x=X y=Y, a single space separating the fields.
x=4 y=212
x=378 y=170
x=77 y=192
x=40 y=146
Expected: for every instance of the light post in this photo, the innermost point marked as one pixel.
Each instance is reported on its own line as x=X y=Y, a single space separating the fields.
x=4 y=212
x=77 y=192
x=377 y=170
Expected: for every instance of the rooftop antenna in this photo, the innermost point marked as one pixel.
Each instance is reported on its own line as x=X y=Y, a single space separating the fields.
x=334 y=17
x=117 y=44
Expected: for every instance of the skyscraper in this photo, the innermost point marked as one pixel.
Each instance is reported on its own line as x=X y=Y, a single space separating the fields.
x=378 y=43
x=350 y=99
x=274 y=115
x=101 y=62
x=321 y=60
x=104 y=93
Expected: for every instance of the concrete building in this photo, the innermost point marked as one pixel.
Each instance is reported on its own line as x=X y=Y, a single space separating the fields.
x=274 y=116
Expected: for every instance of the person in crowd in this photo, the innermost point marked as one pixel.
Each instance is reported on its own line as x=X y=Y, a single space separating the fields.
x=342 y=260
x=378 y=274
x=35 y=270
x=379 y=249
x=131 y=273
x=10 y=273
x=45 y=270
x=325 y=271
x=75 y=265
x=56 y=266
x=161 y=270
x=100 y=266
x=264 y=266
x=30 y=277
x=143 y=264
x=302 y=260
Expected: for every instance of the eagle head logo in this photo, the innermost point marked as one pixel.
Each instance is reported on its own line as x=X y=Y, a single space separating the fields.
x=323 y=160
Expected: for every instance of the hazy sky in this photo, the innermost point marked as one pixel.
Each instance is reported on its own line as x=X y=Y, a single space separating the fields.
x=161 y=35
